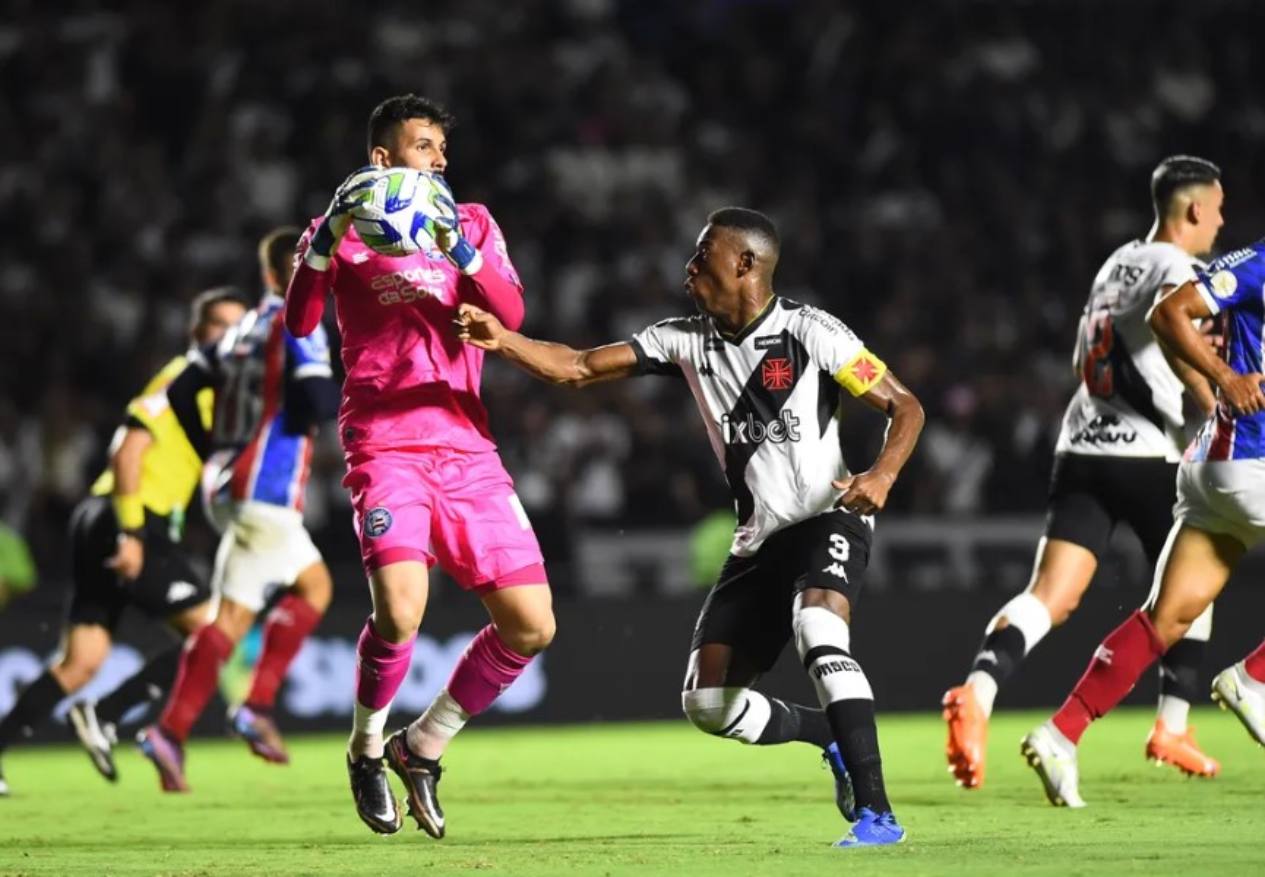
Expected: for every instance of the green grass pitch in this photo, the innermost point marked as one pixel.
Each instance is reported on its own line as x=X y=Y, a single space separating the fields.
x=644 y=799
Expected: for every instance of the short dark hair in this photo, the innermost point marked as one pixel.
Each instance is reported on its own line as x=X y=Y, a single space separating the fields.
x=276 y=250
x=1176 y=173
x=395 y=111
x=207 y=299
x=745 y=219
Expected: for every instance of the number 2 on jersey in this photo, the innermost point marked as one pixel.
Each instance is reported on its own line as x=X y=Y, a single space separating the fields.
x=1096 y=369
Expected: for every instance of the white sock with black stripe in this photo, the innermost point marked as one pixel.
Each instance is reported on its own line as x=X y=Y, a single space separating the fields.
x=823 y=641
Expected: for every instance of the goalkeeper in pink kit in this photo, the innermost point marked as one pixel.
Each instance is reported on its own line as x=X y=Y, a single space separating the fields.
x=426 y=482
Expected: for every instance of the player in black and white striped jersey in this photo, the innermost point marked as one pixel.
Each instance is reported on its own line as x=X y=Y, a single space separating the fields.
x=766 y=373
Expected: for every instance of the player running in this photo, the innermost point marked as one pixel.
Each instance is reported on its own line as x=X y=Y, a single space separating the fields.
x=124 y=551
x=272 y=391
x=765 y=372
x=1219 y=515
x=1116 y=461
x=426 y=482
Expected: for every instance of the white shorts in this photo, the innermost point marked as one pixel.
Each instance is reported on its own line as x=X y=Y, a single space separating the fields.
x=1223 y=496
x=264 y=547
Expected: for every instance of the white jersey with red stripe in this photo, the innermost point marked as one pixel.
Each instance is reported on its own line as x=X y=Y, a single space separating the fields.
x=1129 y=402
x=256 y=453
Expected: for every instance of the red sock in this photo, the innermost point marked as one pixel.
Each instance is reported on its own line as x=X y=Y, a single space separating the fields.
x=195 y=680
x=289 y=623
x=1116 y=667
x=1254 y=663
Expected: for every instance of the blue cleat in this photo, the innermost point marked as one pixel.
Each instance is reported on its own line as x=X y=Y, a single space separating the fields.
x=873 y=830
x=845 y=800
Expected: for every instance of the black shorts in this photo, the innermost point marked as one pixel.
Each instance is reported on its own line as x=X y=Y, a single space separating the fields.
x=1089 y=496
x=167 y=584
x=750 y=606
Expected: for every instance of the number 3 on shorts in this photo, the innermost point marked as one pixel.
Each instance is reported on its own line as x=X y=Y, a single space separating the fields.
x=839 y=547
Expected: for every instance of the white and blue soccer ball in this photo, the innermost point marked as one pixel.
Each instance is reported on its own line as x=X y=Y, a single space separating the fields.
x=397 y=218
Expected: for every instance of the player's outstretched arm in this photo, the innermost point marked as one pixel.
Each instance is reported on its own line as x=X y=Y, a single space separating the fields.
x=556 y=363
x=866 y=492
x=1173 y=322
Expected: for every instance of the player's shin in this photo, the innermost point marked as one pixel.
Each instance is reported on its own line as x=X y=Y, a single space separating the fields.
x=1117 y=665
x=148 y=684
x=1014 y=631
x=1179 y=674
x=380 y=670
x=486 y=668
x=288 y=625
x=34 y=705
x=822 y=639
x=196 y=680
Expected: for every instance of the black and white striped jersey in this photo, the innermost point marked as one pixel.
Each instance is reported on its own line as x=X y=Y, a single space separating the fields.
x=769 y=397
x=1129 y=402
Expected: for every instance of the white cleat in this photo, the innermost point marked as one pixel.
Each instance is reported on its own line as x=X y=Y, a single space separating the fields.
x=1055 y=763
x=1234 y=691
x=97 y=738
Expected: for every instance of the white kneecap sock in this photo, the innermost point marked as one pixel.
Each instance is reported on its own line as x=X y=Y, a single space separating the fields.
x=738 y=713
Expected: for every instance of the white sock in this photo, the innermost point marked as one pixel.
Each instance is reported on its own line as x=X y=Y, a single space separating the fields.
x=1173 y=712
x=985 y=688
x=367 y=728
x=1068 y=747
x=431 y=733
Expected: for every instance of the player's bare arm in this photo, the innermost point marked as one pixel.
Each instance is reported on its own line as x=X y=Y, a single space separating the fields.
x=1173 y=322
x=1197 y=386
x=129 y=558
x=866 y=492
x=546 y=360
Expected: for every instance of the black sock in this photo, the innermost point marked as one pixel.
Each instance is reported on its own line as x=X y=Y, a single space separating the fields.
x=148 y=684
x=1179 y=670
x=33 y=706
x=791 y=721
x=854 y=730
x=1000 y=653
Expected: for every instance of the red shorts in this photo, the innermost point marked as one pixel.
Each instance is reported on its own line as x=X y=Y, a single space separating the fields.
x=457 y=508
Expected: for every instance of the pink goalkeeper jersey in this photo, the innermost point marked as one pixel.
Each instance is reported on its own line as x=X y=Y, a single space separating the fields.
x=410 y=382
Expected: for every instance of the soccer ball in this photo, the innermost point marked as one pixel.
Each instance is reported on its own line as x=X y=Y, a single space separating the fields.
x=392 y=219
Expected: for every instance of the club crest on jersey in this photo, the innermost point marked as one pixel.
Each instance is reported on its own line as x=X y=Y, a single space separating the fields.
x=1223 y=284
x=777 y=373
x=377 y=521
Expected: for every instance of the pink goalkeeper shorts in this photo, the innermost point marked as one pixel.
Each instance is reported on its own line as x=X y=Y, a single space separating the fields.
x=457 y=508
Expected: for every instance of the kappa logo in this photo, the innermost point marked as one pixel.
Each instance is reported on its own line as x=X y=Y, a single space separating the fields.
x=377 y=521
x=178 y=591
x=1104 y=654
x=836 y=569
x=361 y=257
x=777 y=373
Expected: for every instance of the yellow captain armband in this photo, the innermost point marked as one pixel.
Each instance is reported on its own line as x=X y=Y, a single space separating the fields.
x=861 y=373
x=129 y=511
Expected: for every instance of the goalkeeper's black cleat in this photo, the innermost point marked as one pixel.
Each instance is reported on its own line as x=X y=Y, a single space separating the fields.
x=420 y=777
x=97 y=738
x=371 y=790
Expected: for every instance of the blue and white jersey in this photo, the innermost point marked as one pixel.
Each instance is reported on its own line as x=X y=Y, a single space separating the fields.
x=1234 y=286
x=260 y=450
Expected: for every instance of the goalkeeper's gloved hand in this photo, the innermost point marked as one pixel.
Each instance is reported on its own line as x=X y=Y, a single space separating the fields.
x=329 y=234
x=440 y=221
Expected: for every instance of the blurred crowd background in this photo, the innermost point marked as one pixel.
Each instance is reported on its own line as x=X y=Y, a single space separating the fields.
x=947 y=176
